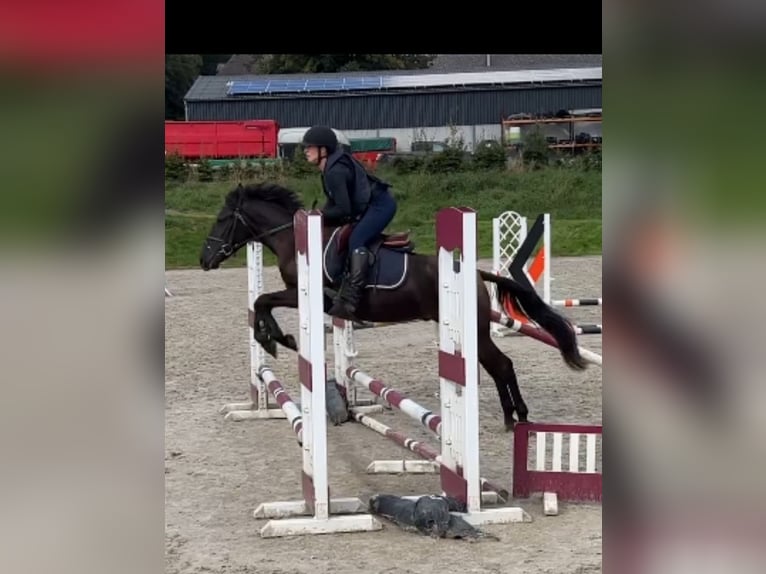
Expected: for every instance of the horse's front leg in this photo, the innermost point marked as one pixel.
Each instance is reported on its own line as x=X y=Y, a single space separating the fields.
x=266 y=330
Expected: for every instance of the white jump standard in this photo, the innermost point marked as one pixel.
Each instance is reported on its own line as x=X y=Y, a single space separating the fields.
x=326 y=515
x=258 y=407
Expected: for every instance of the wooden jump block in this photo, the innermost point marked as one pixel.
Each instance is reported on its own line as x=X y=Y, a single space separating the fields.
x=403 y=467
x=550 y=504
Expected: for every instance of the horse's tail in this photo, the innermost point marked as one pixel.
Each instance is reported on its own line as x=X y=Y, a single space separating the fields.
x=527 y=301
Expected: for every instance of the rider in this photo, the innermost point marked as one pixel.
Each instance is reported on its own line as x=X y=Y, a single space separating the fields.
x=353 y=196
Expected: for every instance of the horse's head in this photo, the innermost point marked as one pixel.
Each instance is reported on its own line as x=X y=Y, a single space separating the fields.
x=249 y=213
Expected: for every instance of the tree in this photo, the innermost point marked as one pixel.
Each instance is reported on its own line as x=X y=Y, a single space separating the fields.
x=210 y=63
x=239 y=64
x=325 y=63
x=180 y=72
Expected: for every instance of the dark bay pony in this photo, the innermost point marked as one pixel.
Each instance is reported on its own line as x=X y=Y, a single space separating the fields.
x=264 y=213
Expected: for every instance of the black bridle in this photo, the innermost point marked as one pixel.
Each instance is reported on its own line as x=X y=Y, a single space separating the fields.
x=227 y=248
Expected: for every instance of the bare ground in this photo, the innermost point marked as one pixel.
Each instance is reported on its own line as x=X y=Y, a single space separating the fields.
x=218 y=471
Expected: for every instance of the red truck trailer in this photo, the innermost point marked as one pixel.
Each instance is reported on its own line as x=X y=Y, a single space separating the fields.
x=194 y=140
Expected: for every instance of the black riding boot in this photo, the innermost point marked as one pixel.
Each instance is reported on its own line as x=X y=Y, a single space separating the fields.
x=352 y=287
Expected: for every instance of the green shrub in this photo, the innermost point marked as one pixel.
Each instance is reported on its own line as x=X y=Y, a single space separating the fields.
x=175 y=168
x=204 y=170
x=489 y=154
x=450 y=160
x=225 y=172
x=535 y=151
x=299 y=165
x=407 y=164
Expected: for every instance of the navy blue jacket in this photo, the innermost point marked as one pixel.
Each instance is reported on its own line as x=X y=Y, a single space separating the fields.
x=348 y=188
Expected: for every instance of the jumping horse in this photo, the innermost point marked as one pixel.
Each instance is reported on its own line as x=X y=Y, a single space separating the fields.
x=408 y=283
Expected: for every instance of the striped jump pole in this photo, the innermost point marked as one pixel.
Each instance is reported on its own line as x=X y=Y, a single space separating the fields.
x=577 y=302
x=588 y=329
x=325 y=514
x=491 y=493
x=424 y=416
x=288 y=406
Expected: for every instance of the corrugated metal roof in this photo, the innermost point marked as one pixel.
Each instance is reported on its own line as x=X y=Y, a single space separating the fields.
x=495 y=77
x=478 y=62
x=217 y=87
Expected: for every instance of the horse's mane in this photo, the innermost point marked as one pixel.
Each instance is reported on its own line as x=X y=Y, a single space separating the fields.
x=268 y=192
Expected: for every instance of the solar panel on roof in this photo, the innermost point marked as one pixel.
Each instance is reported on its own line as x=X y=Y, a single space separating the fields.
x=350 y=83
x=251 y=87
x=310 y=84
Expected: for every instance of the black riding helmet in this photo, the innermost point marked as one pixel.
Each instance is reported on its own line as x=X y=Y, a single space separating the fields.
x=321 y=136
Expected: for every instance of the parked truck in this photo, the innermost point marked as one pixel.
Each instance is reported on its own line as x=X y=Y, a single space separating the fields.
x=370 y=150
x=217 y=140
x=262 y=140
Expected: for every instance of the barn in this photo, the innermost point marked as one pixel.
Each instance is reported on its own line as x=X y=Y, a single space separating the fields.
x=467 y=93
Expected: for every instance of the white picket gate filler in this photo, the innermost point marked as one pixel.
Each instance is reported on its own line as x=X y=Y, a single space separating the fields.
x=457 y=425
x=327 y=515
x=509 y=230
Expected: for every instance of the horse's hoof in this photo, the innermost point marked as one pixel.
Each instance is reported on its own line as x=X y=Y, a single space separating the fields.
x=291 y=343
x=271 y=348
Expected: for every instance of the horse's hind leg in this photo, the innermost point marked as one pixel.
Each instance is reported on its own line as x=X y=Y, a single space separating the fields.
x=497 y=364
x=500 y=368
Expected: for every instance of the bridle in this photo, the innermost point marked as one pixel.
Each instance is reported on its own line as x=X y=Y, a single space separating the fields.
x=228 y=248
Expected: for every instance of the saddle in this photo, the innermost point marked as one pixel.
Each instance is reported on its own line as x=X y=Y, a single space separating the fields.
x=399 y=240
x=390 y=255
